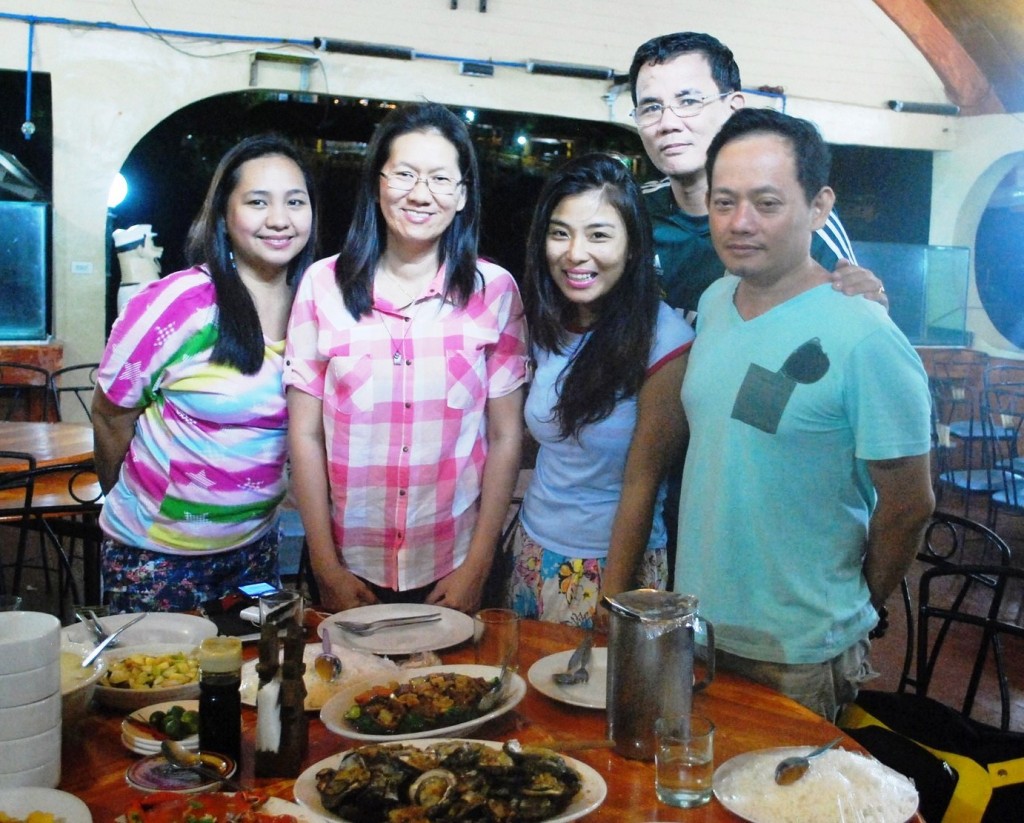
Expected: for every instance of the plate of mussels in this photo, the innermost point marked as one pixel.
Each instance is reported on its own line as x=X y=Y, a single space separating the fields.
x=444 y=779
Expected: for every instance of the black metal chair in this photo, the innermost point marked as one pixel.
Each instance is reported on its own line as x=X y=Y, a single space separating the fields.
x=950 y=541
x=1003 y=419
x=78 y=380
x=983 y=613
x=958 y=436
x=49 y=501
x=25 y=392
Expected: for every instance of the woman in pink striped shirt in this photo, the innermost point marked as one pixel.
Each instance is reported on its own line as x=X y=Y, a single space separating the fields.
x=405 y=363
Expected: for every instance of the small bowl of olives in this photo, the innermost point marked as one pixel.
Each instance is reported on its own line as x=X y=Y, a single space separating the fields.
x=143 y=730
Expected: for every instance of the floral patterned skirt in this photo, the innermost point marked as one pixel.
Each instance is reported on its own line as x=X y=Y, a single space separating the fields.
x=549 y=586
x=142 y=580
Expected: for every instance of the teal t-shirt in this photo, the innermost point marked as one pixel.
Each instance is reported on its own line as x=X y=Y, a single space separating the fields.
x=785 y=410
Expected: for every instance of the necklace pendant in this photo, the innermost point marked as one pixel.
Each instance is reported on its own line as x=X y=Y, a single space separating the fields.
x=397 y=358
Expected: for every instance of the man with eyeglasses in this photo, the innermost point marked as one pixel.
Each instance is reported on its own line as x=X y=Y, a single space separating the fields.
x=685 y=86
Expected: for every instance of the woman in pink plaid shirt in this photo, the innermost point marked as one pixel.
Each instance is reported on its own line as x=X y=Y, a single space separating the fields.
x=405 y=363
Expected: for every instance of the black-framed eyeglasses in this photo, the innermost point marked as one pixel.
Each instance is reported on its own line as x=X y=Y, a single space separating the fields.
x=649 y=114
x=407 y=181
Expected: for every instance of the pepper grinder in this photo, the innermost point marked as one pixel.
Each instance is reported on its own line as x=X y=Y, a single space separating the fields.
x=282 y=730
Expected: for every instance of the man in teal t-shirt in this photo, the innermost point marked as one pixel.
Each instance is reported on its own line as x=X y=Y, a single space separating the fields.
x=807 y=483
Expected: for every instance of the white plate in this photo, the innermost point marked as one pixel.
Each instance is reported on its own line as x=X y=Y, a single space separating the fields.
x=333 y=712
x=158 y=627
x=745 y=785
x=591 y=794
x=65 y=807
x=589 y=695
x=450 y=630
x=136 y=739
x=354 y=666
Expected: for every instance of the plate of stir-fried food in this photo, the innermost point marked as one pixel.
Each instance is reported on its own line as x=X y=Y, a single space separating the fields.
x=215 y=807
x=447 y=781
x=428 y=702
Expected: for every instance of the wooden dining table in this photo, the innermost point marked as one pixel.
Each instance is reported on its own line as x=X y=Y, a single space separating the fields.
x=50 y=444
x=747 y=717
x=66 y=491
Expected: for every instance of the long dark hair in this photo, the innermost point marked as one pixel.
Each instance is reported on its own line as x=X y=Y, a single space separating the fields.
x=367 y=233
x=239 y=334
x=612 y=362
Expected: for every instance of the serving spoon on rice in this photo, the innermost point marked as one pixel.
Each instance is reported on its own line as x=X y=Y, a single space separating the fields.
x=791 y=769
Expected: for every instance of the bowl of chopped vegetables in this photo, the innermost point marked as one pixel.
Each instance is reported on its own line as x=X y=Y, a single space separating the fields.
x=428 y=702
x=139 y=676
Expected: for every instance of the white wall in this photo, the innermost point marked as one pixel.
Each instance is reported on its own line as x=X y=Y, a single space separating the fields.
x=838 y=61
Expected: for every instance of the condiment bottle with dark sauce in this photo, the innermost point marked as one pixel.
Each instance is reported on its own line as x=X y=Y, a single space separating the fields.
x=220 y=702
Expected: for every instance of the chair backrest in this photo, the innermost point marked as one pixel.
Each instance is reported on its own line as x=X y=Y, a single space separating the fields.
x=950 y=541
x=1002 y=415
x=938 y=615
x=25 y=392
x=79 y=380
x=1004 y=375
x=17 y=481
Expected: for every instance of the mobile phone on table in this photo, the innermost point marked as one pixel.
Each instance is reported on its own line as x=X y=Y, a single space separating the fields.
x=256 y=590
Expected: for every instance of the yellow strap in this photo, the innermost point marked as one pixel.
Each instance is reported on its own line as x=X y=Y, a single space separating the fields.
x=973 y=789
x=1006 y=773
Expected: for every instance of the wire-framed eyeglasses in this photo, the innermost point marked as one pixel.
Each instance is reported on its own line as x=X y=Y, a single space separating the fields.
x=407 y=181
x=649 y=114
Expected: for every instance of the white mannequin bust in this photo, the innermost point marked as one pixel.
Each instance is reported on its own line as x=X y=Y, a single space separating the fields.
x=139 y=258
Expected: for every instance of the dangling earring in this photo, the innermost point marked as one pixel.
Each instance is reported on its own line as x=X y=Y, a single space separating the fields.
x=231 y=258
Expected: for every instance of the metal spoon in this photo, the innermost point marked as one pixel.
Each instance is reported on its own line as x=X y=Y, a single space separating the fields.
x=491 y=699
x=178 y=755
x=87 y=660
x=793 y=768
x=327 y=664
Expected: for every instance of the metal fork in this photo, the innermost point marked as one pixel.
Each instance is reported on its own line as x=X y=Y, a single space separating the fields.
x=363 y=629
x=89 y=618
x=576 y=671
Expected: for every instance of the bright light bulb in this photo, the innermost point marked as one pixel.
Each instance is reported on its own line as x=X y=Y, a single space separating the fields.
x=118 y=191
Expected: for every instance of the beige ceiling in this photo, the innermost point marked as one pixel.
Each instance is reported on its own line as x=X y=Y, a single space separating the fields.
x=976 y=46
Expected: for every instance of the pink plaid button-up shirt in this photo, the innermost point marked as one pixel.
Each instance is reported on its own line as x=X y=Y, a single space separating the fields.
x=404 y=395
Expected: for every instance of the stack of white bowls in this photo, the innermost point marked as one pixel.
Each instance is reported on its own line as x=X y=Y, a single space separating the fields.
x=30 y=700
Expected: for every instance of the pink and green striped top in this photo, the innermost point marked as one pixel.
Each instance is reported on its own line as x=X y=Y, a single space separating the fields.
x=206 y=467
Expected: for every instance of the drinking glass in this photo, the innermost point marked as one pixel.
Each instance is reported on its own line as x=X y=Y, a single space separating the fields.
x=684 y=759
x=496 y=638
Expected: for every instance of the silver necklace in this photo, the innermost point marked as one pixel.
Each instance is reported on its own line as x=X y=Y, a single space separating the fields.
x=398 y=346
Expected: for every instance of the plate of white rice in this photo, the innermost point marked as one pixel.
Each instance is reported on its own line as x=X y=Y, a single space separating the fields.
x=839 y=786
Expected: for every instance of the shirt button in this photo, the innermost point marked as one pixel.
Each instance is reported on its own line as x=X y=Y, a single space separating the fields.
x=408 y=362
x=401 y=492
x=405 y=448
x=408 y=405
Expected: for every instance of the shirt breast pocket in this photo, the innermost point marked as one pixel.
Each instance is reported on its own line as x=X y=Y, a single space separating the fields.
x=467 y=385
x=349 y=385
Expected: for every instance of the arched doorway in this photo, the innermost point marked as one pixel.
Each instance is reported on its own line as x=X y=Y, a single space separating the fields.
x=170 y=168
